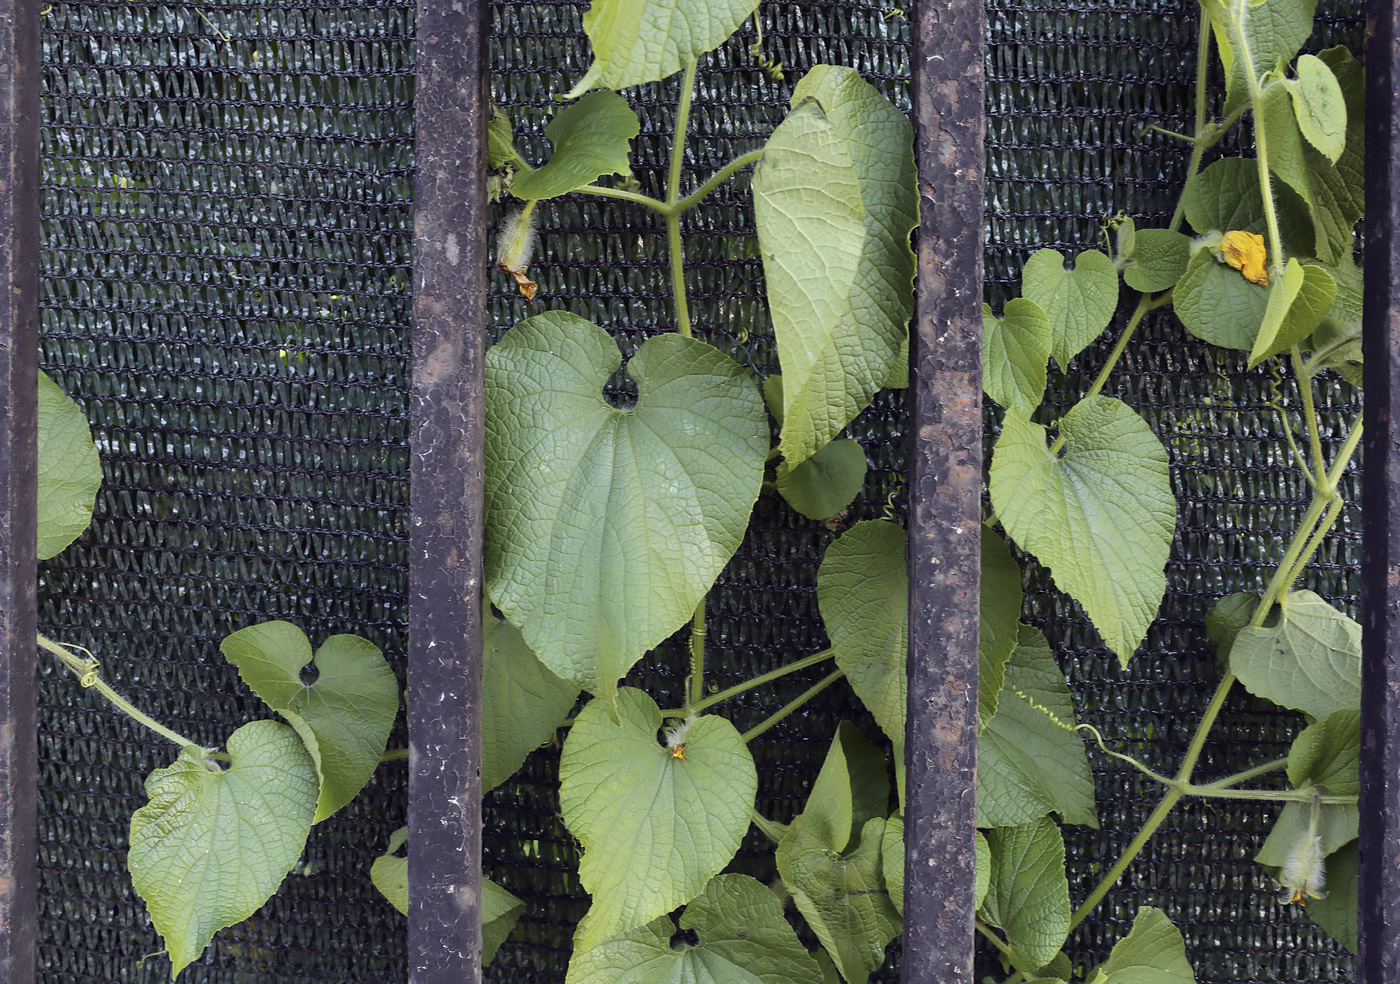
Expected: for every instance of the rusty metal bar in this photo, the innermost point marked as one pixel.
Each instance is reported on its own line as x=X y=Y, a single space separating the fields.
x=444 y=697
x=946 y=501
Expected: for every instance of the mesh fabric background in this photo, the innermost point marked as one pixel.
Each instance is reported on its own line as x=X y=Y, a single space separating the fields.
x=227 y=230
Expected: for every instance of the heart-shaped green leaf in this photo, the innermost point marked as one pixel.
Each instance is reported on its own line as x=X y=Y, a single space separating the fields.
x=827 y=482
x=1028 y=765
x=210 y=847
x=656 y=823
x=1015 y=354
x=344 y=717
x=1217 y=305
x=1100 y=515
x=863 y=596
x=1309 y=659
x=1319 y=106
x=834 y=202
x=636 y=41
x=522 y=702
x=591 y=138
x=605 y=527
x=1029 y=895
x=1153 y=952
x=999 y=617
x=743 y=939
x=1079 y=302
x=69 y=470
x=1158 y=260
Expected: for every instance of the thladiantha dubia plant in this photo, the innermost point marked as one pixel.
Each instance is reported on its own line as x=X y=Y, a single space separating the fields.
x=606 y=528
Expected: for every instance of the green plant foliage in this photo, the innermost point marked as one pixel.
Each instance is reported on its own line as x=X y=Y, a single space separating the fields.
x=389 y=872
x=1336 y=911
x=834 y=203
x=1310 y=302
x=636 y=41
x=1308 y=658
x=1319 y=106
x=1271 y=31
x=69 y=470
x=344 y=717
x=1016 y=354
x=1153 y=952
x=852 y=788
x=892 y=860
x=1100 y=516
x=655 y=825
x=1327 y=755
x=187 y=853
x=1029 y=765
x=1158 y=260
x=522 y=702
x=591 y=138
x=999 y=618
x=744 y=939
x=1028 y=894
x=1079 y=302
x=982 y=879
x=605 y=527
x=827 y=482
x=1226 y=617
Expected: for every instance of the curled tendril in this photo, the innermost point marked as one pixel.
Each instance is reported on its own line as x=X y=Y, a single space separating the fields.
x=1075 y=729
x=771 y=67
x=888 y=513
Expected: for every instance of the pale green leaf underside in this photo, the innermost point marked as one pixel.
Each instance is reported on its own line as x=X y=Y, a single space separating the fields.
x=1338 y=911
x=827 y=482
x=1274 y=30
x=636 y=41
x=1027 y=765
x=654 y=828
x=743 y=939
x=69 y=470
x=1079 y=302
x=1100 y=515
x=1015 y=354
x=834 y=202
x=1153 y=952
x=1029 y=894
x=982 y=877
x=606 y=527
x=591 y=138
x=1319 y=106
x=863 y=596
x=999 y=619
x=344 y=717
x=209 y=848
x=522 y=702
x=1309 y=660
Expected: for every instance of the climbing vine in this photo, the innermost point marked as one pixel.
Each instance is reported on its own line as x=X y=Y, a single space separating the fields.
x=608 y=525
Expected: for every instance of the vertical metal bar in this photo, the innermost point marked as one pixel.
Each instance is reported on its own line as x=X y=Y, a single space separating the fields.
x=1379 y=888
x=451 y=108
x=19 y=316
x=946 y=504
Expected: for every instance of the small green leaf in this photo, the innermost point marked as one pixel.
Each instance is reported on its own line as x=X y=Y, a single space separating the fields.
x=1153 y=952
x=999 y=620
x=1227 y=617
x=827 y=482
x=863 y=596
x=1101 y=515
x=1337 y=912
x=605 y=527
x=1325 y=754
x=1015 y=353
x=743 y=939
x=1125 y=241
x=69 y=471
x=1028 y=765
x=982 y=875
x=655 y=826
x=892 y=859
x=1282 y=292
x=1309 y=659
x=500 y=141
x=389 y=872
x=852 y=788
x=500 y=911
x=1315 y=298
x=1079 y=302
x=210 y=847
x=636 y=41
x=1159 y=259
x=1319 y=106
x=591 y=138
x=1029 y=894
x=834 y=202
x=522 y=702
x=344 y=717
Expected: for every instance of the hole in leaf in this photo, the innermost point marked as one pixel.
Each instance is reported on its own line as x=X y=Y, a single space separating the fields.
x=685 y=939
x=309 y=675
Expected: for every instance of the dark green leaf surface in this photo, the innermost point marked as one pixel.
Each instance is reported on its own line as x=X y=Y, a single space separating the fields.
x=522 y=702
x=1029 y=894
x=591 y=138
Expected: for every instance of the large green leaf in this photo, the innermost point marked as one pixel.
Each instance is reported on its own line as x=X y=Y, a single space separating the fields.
x=605 y=527
x=591 y=138
x=834 y=202
x=1029 y=894
x=1308 y=659
x=1218 y=305
x=1326 y=754
x=69 y=471
x=1337 y=911
x=999 y=612
x=843 y=896
x=522 y=702
x=827 y=482
x=863 y=596
x=1079 y=302
x=1153 y=952
x=743 y=939
x=636 y=41
x=1028 y=765
x=1100 y=515
x=210 y=847
x=656 y=824
x=1015 y=353
x=344 y=716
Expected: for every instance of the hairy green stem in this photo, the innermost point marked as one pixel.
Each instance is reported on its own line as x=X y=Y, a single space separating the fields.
x=1319 y=466
x=697 y=656
x=673 y=195
x=655 y=204
x=761 y=679
x=793 y=704
x=1256 y=102
x=1199 y=146
x=1246 y=775
x=719 y=178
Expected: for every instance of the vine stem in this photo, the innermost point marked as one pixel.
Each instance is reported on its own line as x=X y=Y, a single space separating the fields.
x=86 y=672
x=1256 y=102
x=758 y=681
x=655 y=204
x=1319 y=467
x=793 y=705
x=673 y=195
x=697 y=656
x=719 y=178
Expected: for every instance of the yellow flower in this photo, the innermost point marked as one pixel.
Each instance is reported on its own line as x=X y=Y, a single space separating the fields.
x=1246 y=253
